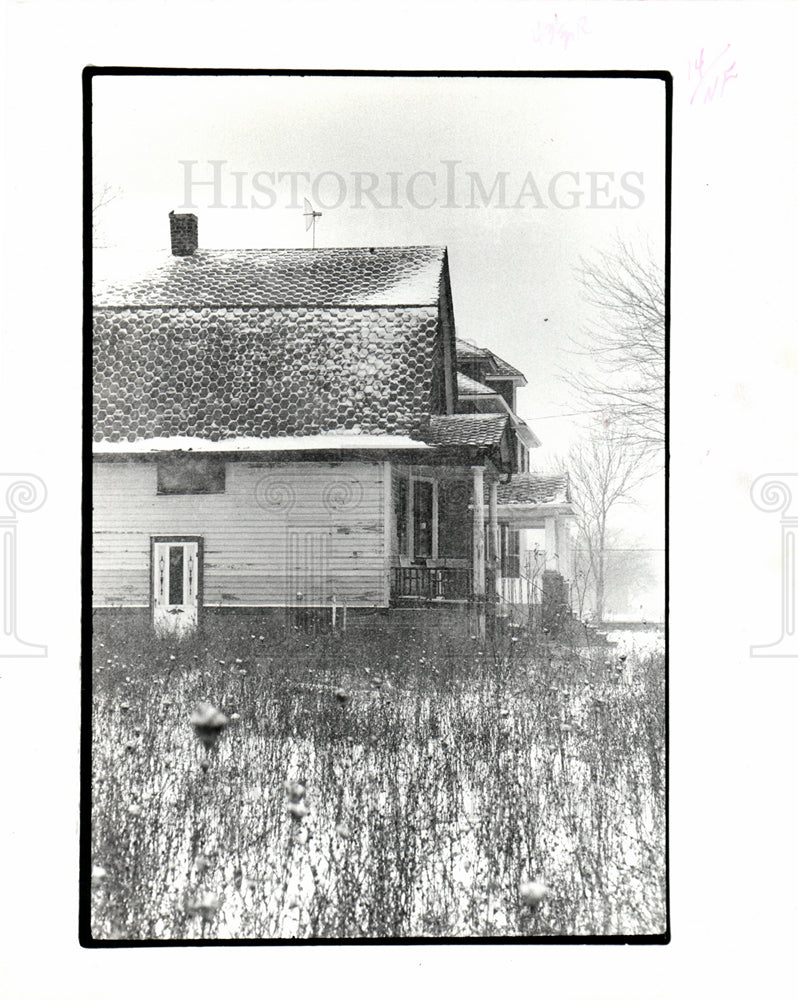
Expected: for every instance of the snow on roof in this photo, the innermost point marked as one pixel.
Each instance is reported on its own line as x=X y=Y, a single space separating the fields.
x=470 y=387
x=310 y=442
x=335 y=276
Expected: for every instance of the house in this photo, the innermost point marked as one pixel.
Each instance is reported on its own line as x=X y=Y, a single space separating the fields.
x=534 y=513
x=294 y=428
x=533 y=509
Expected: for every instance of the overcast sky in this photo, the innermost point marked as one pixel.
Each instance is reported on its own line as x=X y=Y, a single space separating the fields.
x=429 y=152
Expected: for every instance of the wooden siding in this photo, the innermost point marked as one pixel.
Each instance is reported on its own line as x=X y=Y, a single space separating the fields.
x=277 y=530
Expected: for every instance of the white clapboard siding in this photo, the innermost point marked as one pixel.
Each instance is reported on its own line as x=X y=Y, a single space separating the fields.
x=277 y=530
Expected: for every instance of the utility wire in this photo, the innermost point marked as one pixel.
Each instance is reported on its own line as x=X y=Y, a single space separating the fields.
x=555 y=416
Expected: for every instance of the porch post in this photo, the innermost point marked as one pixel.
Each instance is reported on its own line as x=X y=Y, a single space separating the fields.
x=479 y=532
x=564 y=539
x=494 y=525
x=551 y=544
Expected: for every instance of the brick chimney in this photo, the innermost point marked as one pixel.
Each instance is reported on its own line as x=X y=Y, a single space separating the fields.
x=183 y=230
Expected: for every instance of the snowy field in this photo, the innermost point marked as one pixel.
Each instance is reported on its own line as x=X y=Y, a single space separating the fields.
x=437 y=780
x=638 y=642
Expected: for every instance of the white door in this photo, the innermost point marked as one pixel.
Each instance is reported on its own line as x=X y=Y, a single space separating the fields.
x=175 y=585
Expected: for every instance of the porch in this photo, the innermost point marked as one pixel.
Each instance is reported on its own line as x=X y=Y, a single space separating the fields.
x=444 y=536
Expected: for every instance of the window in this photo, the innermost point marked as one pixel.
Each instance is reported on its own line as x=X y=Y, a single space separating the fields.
x=400 y=513
x=175 y=574
x=511 y=551
x=190 y=474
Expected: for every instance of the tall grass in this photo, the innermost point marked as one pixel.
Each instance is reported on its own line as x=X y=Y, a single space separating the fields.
x=439 y=773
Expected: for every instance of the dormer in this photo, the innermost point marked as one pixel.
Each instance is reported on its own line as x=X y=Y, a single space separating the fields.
x=483 y=366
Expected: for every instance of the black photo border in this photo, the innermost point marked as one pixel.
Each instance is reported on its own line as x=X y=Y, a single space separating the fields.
x=85 y=937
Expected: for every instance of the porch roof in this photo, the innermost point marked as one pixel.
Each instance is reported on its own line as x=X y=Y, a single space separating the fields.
x=479 y=430
x=535 y=489
x=529 y=498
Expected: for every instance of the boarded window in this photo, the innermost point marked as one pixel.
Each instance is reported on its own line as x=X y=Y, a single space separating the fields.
x=190 y=474
x=454 y=519
x=400 y=513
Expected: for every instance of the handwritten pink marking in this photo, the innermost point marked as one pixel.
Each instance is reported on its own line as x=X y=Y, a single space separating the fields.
x=559 y=31
x=718 y=72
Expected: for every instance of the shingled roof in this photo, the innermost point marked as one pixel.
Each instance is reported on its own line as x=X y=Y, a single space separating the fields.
x=505 y=370
x=272 y=343
x=465 y=430
x=344 y=276
x=535 y=488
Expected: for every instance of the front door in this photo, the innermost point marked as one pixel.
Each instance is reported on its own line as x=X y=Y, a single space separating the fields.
x=175 y=585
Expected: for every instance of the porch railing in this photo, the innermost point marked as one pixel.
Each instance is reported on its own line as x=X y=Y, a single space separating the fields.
x=431 y=583
x=442 y=583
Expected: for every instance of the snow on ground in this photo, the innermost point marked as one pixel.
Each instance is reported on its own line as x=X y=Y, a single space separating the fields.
x=641 y=643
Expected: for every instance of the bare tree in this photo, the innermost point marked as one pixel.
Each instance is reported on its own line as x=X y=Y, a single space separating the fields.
x=102 y=197
x=631 y=575
x=626 y=343
x=604 y=470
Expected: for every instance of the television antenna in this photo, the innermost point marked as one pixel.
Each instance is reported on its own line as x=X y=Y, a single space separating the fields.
x=311 y=216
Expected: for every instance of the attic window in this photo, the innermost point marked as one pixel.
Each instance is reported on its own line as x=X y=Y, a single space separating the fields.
x=190 y=474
